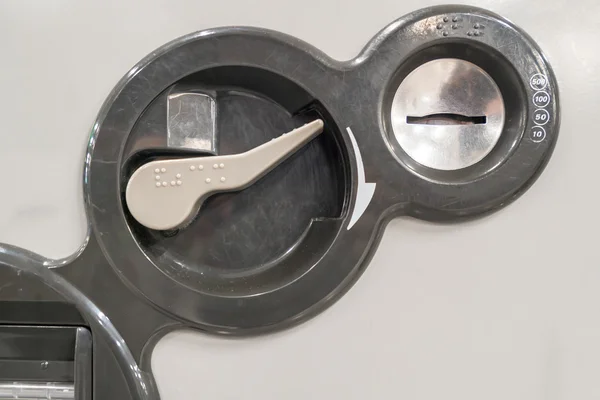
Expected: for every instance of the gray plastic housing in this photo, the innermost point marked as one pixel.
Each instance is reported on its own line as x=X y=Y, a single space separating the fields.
x=315 y=220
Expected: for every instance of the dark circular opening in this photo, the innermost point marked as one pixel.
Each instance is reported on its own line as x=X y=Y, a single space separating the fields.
x=238 y=241
x=513 y=94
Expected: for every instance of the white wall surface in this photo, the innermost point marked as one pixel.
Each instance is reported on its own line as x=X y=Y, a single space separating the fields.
x=506 y=307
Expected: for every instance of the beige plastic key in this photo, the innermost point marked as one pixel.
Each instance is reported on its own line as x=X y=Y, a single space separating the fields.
x=166 y=194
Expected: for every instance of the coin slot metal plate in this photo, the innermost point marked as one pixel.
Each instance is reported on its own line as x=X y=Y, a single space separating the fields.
x=448 y=114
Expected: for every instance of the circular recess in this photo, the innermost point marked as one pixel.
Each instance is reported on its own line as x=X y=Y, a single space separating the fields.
x=238 y=241
x=468 y=106
x=447 y=114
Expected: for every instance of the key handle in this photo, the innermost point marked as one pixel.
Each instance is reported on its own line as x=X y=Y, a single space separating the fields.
x=166 y=194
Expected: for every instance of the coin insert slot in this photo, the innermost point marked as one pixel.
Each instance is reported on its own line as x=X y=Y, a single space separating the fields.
x=446 y=119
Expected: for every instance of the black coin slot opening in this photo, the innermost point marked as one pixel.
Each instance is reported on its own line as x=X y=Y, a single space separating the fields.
x=446 y=119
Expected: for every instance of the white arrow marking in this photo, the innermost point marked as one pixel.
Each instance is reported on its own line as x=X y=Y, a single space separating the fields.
x=365 y=191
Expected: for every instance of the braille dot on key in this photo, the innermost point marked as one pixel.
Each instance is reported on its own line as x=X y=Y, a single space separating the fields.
x=164 y=184
x=222 y=166
x=157 y=184
x=200 y=167
x=179 y=183
x=157 y=170
x=163 y=170
x=192 y=167
x=178 y=176
x=222 y=179
x=207 y=180
x=216 y=166
x=173 y=183
x=157 y=177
